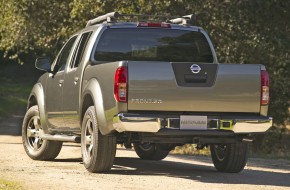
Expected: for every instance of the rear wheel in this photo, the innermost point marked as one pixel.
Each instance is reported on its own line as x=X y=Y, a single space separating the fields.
x=150 y=151
x=98 y=151
x=230 y=158
x=35 y=147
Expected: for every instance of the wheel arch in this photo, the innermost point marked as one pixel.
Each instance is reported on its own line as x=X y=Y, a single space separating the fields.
x=86 y=103
x=36 y=97
x=92 y=96
x=32 y=101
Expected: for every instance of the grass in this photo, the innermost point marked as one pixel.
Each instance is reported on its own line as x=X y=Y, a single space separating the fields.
x=9 y=185
x=13 y=95
x=16 y=83
x=271 y=156
x=190 y=149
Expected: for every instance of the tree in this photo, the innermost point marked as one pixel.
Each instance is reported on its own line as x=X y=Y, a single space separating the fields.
x=33 y=25
x=244 y=32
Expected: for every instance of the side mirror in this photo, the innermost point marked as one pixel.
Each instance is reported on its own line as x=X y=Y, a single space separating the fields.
x=43 y=64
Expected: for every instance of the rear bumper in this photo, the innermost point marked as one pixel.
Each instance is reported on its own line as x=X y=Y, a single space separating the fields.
x=153 y=124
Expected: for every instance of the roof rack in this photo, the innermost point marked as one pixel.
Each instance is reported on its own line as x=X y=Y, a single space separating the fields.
x=109 y=17
x=113 y=16
x=184 y=20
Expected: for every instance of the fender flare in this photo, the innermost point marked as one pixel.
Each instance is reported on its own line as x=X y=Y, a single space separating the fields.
x=93 y=89
x=37 y=92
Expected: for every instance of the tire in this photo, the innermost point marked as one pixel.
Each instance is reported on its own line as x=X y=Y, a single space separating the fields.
x=150 y=151
x=229 y=158
x=35 y=147
x=98 y=151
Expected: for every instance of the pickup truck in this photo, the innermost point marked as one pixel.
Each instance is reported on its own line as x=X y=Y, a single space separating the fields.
x=153 y=85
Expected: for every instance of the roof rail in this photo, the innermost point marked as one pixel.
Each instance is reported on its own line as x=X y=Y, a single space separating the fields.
x=112 y=17
x=184 y=20
x=109 y=17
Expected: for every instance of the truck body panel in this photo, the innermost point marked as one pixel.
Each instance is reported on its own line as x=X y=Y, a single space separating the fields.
x=153 y=86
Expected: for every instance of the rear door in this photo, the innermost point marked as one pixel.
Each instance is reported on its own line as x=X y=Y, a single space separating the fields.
x=71 y=87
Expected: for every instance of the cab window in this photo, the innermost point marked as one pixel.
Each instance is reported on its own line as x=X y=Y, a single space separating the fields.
x=64 y=54
x=79 y=52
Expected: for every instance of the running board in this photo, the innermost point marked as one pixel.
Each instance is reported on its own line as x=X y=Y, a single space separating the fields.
x=65 y=138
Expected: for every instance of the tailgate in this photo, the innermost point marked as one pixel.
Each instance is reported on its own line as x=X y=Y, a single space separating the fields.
x=194 y=87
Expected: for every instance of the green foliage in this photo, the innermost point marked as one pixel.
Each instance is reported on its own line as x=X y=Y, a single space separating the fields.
x=15 y=88
x=245 y=32
x=13 y=95
x=33 y=25
x=276 y=142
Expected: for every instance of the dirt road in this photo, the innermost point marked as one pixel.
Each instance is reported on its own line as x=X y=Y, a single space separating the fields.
x=129 y=172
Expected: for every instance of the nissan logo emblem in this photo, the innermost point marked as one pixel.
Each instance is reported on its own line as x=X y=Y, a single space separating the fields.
x=195 y=68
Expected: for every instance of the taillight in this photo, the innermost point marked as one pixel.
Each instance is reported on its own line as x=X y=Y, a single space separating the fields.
x=151 y=24
x=121 y=84
x=265 y=97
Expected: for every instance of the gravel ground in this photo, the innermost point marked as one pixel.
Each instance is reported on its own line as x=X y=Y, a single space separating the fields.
x=129 y=172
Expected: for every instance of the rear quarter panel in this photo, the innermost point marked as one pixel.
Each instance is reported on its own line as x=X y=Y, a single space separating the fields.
x=102 y=75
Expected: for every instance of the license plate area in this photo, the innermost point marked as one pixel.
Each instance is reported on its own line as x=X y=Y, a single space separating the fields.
x=188 y=122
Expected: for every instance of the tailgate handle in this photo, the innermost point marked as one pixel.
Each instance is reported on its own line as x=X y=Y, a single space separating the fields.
x=195 y=78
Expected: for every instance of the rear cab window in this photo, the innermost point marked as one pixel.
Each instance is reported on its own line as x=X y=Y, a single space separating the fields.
x=153 y=44
x=79 y=51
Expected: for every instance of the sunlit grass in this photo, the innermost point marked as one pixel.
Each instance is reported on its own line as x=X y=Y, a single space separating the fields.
x=13 y=94
x=9 y=185
x=190 y=149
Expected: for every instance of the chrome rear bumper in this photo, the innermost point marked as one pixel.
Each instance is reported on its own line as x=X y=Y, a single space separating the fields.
x=142 y=123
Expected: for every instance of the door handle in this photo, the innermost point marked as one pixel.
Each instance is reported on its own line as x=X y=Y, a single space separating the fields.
x=195 y=78
x=76 y=79
x=60 y=82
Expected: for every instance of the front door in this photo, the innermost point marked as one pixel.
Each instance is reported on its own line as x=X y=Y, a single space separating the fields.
x=53 y=99
x=54 y=87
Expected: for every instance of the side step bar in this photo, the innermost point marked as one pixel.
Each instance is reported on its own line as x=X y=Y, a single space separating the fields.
x=65 y=138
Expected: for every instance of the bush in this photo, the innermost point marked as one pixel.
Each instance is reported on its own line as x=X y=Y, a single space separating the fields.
x=274 y=143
